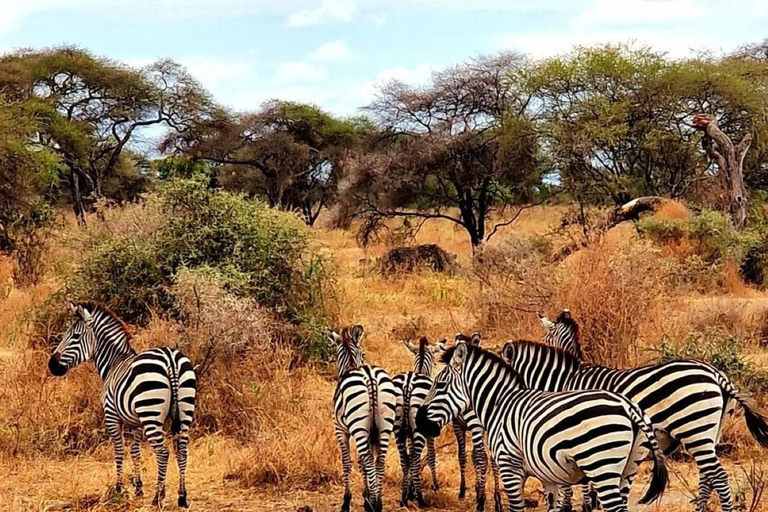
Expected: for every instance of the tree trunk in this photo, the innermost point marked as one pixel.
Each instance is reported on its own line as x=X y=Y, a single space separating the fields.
x=730 y=162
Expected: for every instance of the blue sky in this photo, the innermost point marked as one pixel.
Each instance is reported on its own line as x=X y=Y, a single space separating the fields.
x=334 y=52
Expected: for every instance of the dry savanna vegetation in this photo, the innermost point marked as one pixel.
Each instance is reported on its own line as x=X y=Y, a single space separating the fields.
x=613 y=181
x=263 y=438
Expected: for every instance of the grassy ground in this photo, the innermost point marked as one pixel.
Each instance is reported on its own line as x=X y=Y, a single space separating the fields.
x=295 y=462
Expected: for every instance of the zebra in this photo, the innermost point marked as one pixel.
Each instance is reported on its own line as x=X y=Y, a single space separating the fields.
x=140 y=391
x=412 y=388
x=559 y=438
x=468 y=420
x=686 y=400
x=364 y=405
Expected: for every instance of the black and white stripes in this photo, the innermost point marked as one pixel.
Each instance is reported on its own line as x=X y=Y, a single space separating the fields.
x=364 y=408
x=559 y=438
x=687 y=402
x=141 y=391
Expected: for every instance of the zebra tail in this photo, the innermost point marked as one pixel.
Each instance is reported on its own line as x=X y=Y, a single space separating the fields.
x=175 y=413
x=373 y=434
x=756 y=422
x=405 y=429
x=659 y=474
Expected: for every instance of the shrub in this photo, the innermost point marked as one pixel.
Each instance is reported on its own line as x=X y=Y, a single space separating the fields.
x=710 y=235
x=254 y=251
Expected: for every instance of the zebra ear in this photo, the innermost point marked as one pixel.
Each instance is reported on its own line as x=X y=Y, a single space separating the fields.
x=86 y=315
x=334 y=337
x=73 y=307
x=356 y=334
x=506 y=352
x=475 y=339
x=410 y=346
x=546 y=322
x=459 y=355
x=439 y=348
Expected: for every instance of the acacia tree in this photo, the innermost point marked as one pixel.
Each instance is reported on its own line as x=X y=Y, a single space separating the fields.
x=289 y=153
x=92 y=109
x=459 y=149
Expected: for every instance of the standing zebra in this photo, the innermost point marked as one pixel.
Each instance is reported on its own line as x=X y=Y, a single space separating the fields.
x=559 y=438
x=140 y=391
x=468 y=420
x=412 y=388
x=364 y=408
x=686 y=401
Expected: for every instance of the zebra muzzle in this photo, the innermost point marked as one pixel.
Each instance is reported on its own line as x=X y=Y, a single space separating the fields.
x=56 y=368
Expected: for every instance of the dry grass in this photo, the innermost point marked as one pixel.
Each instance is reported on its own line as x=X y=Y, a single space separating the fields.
x=274 y=448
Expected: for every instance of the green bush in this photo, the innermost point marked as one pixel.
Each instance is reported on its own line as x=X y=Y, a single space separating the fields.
x=711 y=233
x=257 y=252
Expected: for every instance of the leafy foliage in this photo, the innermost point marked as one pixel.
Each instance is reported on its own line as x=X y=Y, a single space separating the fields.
x=255 y=251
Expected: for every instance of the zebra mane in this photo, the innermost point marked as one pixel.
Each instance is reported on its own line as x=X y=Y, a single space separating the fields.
x=96 y=306
x=565 y=318
x=483 y=353
x=537 y=345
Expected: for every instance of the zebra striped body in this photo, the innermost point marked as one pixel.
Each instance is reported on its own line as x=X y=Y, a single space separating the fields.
x=364 y=409
x=686 y=401
x=140 y=392
x=560 y=438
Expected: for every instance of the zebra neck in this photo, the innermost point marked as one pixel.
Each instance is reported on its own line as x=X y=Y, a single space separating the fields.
x=487 y=387
x=112 y=344
x=422 y=368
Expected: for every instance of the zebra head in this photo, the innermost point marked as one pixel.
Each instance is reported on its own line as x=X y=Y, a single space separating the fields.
x=562 y=333
x=349 y=353
x=78 y=343
x=448 y=397
x=473 y=340
x=424 y=354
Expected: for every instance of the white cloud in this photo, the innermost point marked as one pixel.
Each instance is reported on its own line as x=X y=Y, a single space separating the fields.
x=547 y=45
x=213 y=72
x=413 y=76
x=328 y=11
x=333 y=51
x=633 y=12
x=300 y=71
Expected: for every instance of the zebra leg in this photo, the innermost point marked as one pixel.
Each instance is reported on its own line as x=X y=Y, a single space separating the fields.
x=381 y=460
x=588 y=497
x=346 y=464
x=418 y=446
x=608 y=488
x=513 y=479
x=461 y=443
x=432 y=462
x=138 y=485
x=480 y=462
x=368 y=470
x=497 y=505
x=402 y=449
x=180 y=443
x=565 y=497
x=712 y=476
x=116 y=435
x=157 y=442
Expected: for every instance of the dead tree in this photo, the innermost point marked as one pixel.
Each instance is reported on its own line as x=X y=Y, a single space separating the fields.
x=730 y=162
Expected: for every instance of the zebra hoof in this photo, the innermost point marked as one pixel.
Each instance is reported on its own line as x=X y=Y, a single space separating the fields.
x=183 y=503
x=566 y=508
x=480 y=505
x=435 y=486
x=421 y=502
x=462 y=492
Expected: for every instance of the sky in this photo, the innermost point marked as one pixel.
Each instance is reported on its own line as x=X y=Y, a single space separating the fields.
x=334 y=53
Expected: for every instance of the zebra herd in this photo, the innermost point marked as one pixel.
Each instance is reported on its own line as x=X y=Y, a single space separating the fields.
x=544 y=413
